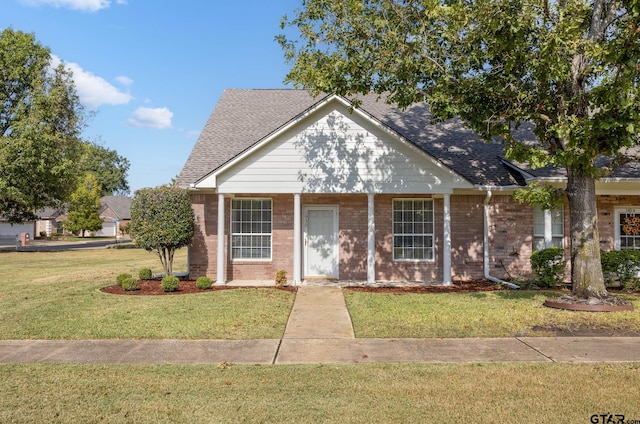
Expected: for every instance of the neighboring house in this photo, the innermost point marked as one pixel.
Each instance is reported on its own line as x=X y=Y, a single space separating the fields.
x=115 y=213
x=281 y=180
x=50 y=221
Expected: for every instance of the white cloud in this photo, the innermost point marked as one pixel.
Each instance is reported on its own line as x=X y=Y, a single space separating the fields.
x=147 y=117
x=84 y=5
x=124 y=80
x=92 y=89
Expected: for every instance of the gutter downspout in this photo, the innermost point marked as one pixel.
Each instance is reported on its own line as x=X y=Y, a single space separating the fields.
x=486 y=247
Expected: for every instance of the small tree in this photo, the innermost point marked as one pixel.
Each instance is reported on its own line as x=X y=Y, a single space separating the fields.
x=162 y=221
x=84 y=206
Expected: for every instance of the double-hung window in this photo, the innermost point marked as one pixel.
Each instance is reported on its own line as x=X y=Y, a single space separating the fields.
x=413 y=229
x=548 y=228
x=251 y=229
x=627 y=231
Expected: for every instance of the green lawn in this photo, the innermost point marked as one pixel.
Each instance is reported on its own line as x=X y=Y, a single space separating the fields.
x=56 y=295
x=483 y=314
x=433 y=393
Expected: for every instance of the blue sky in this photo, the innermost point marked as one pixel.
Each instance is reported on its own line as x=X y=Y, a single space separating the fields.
x=152 y=70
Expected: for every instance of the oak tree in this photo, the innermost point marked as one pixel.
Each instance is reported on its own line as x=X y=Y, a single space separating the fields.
x=41 y=119
x=108 y=167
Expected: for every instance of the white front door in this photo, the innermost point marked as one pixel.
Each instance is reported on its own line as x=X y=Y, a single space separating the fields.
x=321 y=241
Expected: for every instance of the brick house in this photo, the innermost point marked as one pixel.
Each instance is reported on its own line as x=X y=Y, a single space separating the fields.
x=115 y=212
x=282 y=180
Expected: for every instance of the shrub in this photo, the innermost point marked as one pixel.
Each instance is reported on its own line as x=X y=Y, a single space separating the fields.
x=43 y=234
x=170 y=283
x=145 y=274
x=122 y=277
x=162 y=221
x=548 y=266
x=130 y=284
x=623 y=266
x=203 y=283
x=281 y=278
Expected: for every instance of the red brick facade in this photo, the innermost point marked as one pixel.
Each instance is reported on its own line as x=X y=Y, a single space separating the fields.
x=510 y=237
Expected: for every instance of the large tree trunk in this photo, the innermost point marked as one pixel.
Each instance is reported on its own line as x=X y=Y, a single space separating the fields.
x=586 y=271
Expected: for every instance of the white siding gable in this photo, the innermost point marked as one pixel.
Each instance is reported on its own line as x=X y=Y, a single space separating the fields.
x=335 y=151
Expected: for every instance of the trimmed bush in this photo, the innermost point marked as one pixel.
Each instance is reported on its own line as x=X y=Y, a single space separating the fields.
x=281 y=278
x=145 y=274
x=122 y=277
x=548 y=266
x=203 y=283
x=130 y=284
x=170 y=283
x=621 y=266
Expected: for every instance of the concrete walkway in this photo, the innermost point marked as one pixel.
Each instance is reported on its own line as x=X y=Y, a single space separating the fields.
x=319 y=331
x=319 y=313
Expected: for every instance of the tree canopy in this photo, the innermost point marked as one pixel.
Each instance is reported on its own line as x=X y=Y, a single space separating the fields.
x=162 y=221
x=41 y=119
x=84 y=206
x=568 y=69
x=108 y=167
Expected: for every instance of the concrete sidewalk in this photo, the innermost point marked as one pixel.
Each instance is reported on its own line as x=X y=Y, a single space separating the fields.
x=323 y=351
x=319 y=331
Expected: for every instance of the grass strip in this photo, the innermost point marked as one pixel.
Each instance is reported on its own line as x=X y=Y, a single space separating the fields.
x=487 y=393
x=481 y=314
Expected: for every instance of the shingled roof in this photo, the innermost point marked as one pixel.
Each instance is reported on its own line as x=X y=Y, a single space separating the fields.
x=243 y=118
x=120 y=205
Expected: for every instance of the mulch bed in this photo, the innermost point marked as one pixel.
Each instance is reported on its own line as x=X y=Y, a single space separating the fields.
x=153 y=288
x=457 y=287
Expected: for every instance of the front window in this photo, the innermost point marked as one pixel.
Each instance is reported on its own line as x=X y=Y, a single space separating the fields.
x=628 y=228
x=548 y=228
x=413 y=229
x=251 y=229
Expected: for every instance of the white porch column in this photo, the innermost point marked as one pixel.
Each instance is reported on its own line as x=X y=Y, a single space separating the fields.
x=548 y=228
x=297 y=240
x=371 y=240
x=220 y=270
x=446 y=254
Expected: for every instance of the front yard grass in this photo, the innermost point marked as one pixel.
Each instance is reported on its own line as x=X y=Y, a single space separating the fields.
x=438 y=393
x=56 y=295
x=481 y=314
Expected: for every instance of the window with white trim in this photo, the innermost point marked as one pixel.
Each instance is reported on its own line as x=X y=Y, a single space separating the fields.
x=627 y=222
x=548 y=228
x=413 y=229
x=251 y=229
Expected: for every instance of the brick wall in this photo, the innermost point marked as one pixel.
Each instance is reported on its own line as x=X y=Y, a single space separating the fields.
x=202 y=252
x=606 y=216
x=510 y=237
x=467 y=237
